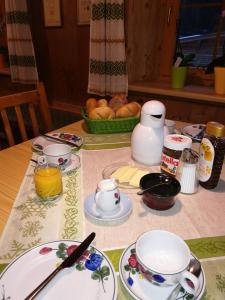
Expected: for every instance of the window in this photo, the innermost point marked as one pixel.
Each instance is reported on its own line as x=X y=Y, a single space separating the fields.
x=201 y=30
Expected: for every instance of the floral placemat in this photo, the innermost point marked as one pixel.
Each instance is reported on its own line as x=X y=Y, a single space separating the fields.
x=33 y=222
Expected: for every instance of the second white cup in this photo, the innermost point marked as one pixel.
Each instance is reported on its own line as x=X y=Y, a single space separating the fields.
x=107 y=196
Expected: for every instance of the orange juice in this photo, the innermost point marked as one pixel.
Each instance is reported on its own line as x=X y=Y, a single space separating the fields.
x=48 y=182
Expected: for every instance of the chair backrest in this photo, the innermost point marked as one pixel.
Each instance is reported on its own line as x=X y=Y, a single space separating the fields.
x=32 y=99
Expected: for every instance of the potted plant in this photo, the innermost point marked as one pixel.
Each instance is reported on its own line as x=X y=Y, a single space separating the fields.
x=179 y=69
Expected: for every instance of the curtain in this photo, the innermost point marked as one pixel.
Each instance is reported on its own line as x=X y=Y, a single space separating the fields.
x=21 y=52
x=107 y=62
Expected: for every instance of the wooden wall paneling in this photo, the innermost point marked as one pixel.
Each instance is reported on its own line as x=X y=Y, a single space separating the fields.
x=63 y=54
x=187 y=110
x=168 y=27
x=3 y=37
x=41 y=46
x=143 y=38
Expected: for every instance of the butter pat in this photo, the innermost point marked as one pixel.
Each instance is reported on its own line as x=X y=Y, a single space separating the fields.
x=127 y=175
x=135 y=179
x=119 y=172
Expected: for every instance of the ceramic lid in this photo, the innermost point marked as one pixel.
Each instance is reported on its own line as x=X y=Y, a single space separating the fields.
x=153 y=114
x=177 y=142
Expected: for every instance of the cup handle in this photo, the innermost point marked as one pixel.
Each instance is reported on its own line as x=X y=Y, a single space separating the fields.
x=42 y=160
x=97 y=196
x=191 y=287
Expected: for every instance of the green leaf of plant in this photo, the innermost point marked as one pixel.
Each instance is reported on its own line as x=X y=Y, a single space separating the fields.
x=92 y=250
x=62 y=247
x=80 y=267
x=60 y=254
x=105 y=271
x=133 y=251
x=95 y=275
x=127 y=268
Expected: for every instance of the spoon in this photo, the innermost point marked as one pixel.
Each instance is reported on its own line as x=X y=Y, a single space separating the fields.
x=152 y=187
x=195 y=268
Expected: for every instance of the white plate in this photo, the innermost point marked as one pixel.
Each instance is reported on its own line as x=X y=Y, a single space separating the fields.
x=120 y=215
x=40 y=142
x=139 y=288
x=195 y=131
x=27 y=271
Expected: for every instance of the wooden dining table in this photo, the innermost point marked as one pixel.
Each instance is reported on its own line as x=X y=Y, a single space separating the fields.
x=204 y=231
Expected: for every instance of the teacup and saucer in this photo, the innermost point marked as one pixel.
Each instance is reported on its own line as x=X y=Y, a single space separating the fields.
x=108 y=204
x=157 y=263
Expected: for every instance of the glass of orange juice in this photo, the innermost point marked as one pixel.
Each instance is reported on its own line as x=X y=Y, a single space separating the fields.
x=48 y=181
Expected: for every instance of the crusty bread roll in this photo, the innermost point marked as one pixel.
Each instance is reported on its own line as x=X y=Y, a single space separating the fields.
x=103 y=112
x=90 y=104
x=117 y=101
x=102 y=102
x=131 y=109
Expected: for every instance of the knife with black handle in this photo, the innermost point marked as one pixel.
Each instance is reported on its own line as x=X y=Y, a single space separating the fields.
x=68 y=262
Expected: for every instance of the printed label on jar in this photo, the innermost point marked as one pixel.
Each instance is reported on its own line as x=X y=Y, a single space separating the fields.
x=207 y=154
x=169 y=164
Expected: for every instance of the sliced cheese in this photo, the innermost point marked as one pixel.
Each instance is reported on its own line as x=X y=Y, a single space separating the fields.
x=135 y=179
x=126 y=176
x=119 y=172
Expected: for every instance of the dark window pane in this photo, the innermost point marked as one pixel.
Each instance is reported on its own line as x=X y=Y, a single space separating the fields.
x=199 y=23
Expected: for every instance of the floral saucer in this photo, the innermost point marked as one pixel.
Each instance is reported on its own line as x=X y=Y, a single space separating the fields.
x=91 y=277
x=120 y=215
x=139 y=288
x=41 y=141
x=74 y=164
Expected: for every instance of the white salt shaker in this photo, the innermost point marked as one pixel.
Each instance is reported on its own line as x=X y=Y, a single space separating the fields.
x=187 y=172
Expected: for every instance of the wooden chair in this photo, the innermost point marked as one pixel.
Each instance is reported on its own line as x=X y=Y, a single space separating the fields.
x=34 y=99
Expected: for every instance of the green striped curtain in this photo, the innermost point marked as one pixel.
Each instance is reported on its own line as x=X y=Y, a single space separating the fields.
x=20 y=46
x=107 y=63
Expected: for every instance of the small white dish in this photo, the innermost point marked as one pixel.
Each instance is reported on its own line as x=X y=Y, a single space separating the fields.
x=141 y=289
x=40 y=142
x=26 y=272
x=120 y=215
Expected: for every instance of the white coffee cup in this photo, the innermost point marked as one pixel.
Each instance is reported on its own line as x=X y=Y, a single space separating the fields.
x=107 y=196
x=58 y=154
x=163 y=259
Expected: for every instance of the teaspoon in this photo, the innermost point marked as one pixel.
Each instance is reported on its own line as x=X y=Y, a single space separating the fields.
x=194 y=268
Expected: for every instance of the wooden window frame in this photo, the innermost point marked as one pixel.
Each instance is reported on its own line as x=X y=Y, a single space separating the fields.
x=196 y=76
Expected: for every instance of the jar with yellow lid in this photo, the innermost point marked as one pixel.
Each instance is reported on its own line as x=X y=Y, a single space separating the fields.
x=212 y=151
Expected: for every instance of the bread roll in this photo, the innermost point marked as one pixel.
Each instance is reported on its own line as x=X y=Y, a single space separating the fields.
x=131 y=109
x=103 y=112
x=102 y=102
x=90 y=104
x=117 y=101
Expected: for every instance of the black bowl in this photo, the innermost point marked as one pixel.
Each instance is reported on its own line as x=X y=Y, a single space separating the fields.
x=162 y=196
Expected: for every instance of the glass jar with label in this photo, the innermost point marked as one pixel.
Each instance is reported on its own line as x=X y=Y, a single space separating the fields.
x=212 y=151
x=172 y=150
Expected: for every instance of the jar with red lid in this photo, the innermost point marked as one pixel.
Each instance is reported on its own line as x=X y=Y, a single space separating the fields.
x=174 y=144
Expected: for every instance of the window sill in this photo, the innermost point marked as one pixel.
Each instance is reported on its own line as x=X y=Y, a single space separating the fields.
x=200 y=93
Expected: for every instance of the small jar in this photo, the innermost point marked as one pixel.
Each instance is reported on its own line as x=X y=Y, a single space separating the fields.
x=172 y=150
x=187 y=172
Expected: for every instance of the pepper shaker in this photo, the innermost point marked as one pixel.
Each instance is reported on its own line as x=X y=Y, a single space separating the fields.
x=187 y=172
